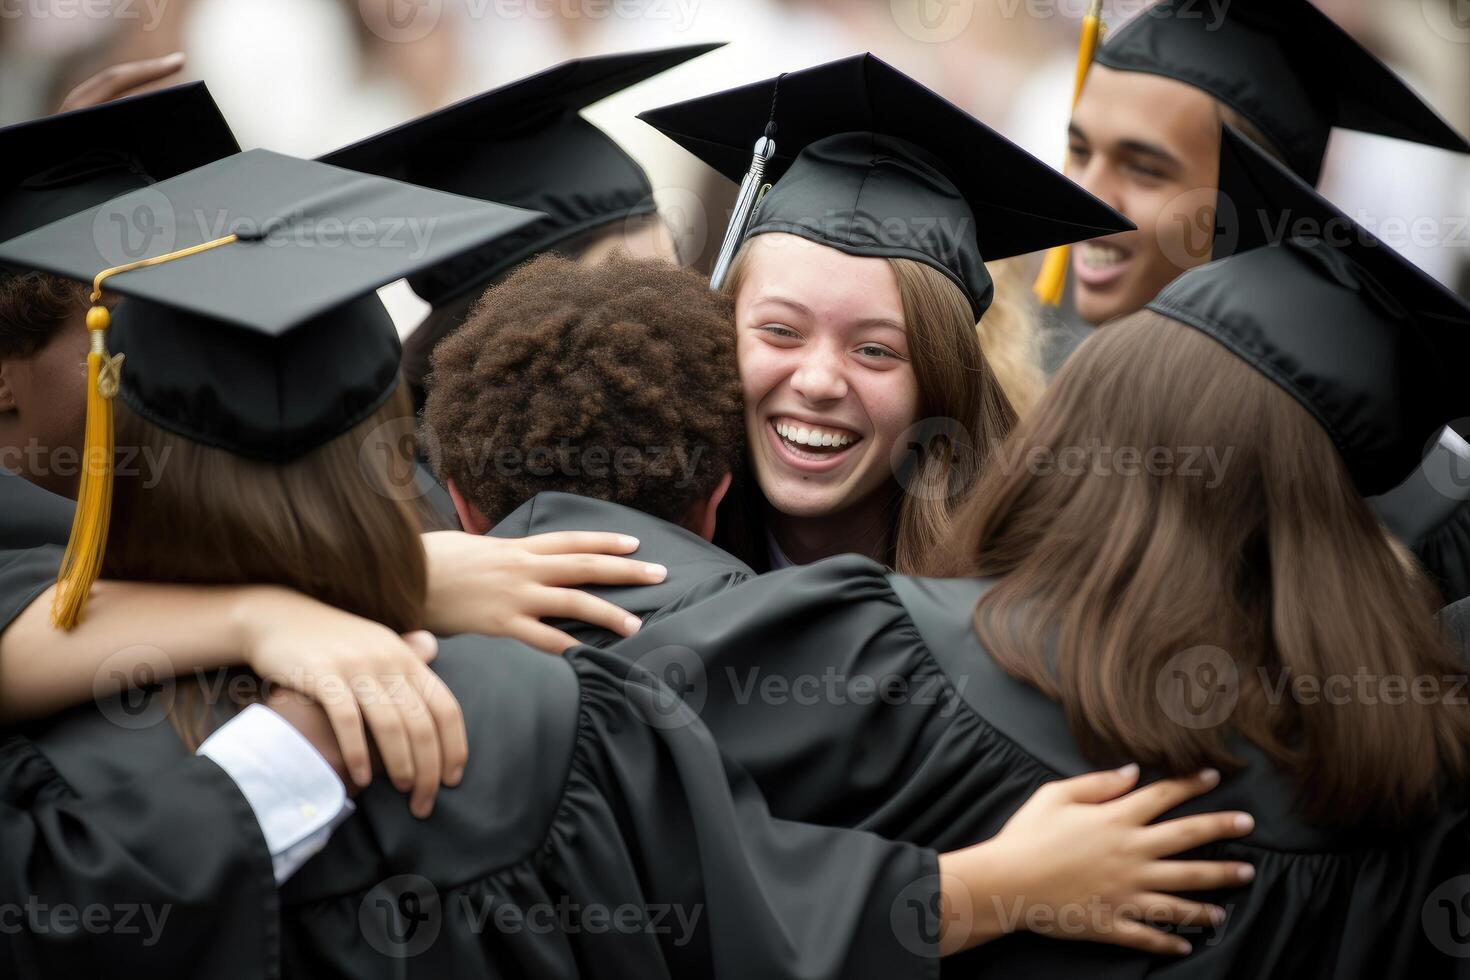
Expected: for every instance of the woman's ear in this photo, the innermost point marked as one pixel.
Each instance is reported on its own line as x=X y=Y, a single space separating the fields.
x=471 y=518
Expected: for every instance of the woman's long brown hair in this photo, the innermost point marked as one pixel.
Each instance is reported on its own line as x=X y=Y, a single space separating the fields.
x=963 y=415
x=336 y=524
x=1122 y=548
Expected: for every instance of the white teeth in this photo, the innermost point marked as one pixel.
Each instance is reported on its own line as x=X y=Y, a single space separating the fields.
x=1096 y=256
x=810 y=436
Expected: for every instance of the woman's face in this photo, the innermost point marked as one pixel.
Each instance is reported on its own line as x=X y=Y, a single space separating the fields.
x=824 y=363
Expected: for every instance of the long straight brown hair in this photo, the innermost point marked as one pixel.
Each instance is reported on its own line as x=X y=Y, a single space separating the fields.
x=336 y=524
x=963 y=415
x=1261 y=562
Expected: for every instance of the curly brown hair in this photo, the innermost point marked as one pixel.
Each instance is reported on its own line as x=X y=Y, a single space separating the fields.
x=33 y=306
x=616 y=381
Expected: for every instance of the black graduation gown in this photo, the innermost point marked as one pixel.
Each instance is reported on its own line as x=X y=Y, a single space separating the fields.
x=861 y=698
x=164 y=877
x=693 y=562
x=125 y=882
x=34 y=525
x=596 y=833
x=31 y=516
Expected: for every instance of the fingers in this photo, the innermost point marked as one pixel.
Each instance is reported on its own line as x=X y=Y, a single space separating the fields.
x=118 y=80
x=423 y=744
x=388 y=730
x=1145 y=805
x=334 y=695
x=1157 y=907
x=585 y=608
x=579 y=569
x=449 y=720
x=1094 y=787
x=1136 y=935
x=536 y=634
x=423 y=643
x=1195 y=876
x=1186 y=833
x=579 y=542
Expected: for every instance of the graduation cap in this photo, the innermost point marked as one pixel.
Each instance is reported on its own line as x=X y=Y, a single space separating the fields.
x=257 y=331
x=59 y=165
x=1285 y=66
x=865 y=159
x=1362 y=338
x=527 y=145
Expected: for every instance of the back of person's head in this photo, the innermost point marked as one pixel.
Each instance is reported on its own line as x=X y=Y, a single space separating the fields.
x=1166 y=509
x=333 y=523
x=616 y=381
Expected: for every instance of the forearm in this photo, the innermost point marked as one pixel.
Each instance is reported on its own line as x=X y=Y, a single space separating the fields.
x=133 y=633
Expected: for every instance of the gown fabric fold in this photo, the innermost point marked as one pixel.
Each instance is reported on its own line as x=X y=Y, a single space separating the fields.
x=856 y=697
x=597 y=833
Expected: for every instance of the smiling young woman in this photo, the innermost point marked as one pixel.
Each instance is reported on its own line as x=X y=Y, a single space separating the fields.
x=843 y=361
x=870 y=406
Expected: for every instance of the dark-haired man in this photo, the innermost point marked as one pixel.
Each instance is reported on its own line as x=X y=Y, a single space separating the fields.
x=601 y=398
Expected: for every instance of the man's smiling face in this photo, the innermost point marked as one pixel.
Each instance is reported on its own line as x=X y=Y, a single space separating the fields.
x=1149 y=146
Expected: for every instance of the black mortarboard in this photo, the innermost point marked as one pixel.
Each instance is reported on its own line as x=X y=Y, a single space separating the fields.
x=527 y=145
x=273 y=344
x=251 y=325
x=870 y=162
x=1285 y=66
x=1364 y=340
x=62 y=164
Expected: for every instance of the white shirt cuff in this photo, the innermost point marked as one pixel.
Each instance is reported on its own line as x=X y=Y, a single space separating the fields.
x=297 y=797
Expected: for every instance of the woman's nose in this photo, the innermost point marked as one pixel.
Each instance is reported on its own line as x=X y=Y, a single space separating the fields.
x=819 y=378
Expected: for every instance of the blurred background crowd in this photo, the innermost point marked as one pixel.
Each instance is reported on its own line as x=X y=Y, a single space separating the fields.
x=307 y=76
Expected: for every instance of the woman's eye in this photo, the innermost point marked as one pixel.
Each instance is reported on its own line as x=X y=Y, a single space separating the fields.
x=877 y=350
x=1079 y=153
x=775 y=330
x=1148 y=173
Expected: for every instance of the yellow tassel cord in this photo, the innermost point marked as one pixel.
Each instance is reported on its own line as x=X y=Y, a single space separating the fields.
x=1053 y=278
x=82 y=562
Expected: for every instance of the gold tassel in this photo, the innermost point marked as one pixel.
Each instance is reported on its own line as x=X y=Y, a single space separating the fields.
x=82 y=562
x=1052 y=281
